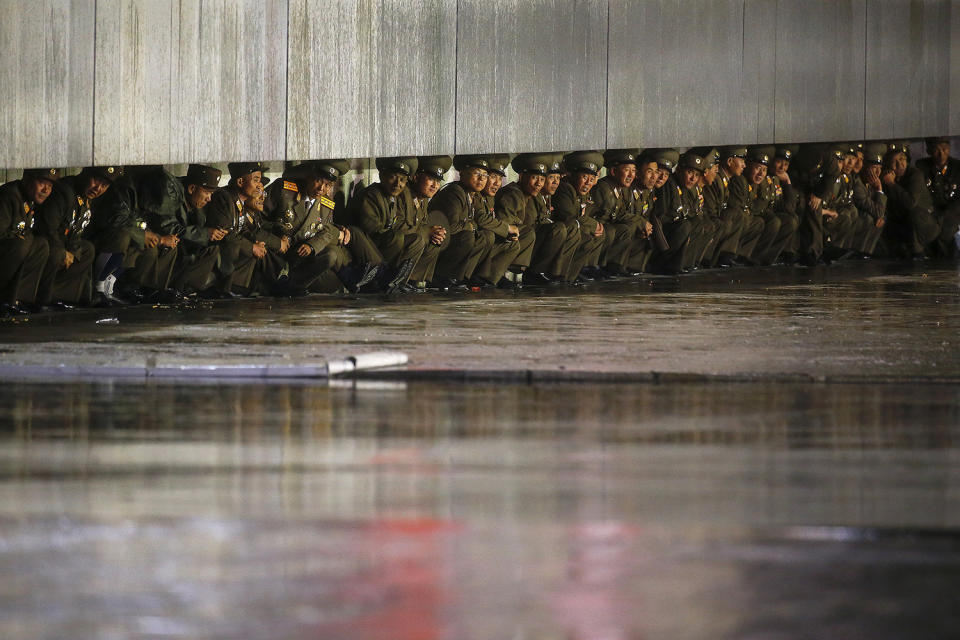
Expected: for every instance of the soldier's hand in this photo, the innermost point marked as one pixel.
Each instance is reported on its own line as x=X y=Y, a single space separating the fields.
x=880 y=222
x=437 y=234
x=513 y=232
x=598 y=231
x=888 y=176
x=830 y=214
x=284 y=244
x=68 y=259
x=169 y=241
x=647 y=230
x=216 y=234
x=304 y=250
x=259 y=249
x=150 y=239
x=814 y=201
x=783 y=177
x=344 y=236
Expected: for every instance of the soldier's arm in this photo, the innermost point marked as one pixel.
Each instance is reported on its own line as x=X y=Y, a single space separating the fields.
x=604 y=202
x=566 y=205
x=52 y=216
x=452 y=203
x=221 y=210
x=368 y=214
x=7 y=210
x=740 y=198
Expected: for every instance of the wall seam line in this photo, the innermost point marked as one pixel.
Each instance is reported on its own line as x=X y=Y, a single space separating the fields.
x=456 y=72
x=93 y=110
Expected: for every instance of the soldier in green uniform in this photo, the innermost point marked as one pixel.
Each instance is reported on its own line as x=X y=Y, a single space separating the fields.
x=704 y=229
x=382 y=212
x=942 y=173
x=136 y=260
x=25 y=267
x=459 y=204
x=911 y=224
x=573 y=205
x=324 y=257
x=725 y=227
x=613 y=199
x=429 y=175
x=673 y=215
x=264 y=243
x=772 y=202
x=841 y=223
x=238 y=254
x=868 y=196
x=731 y=179
x=501 y=219
x=64 y=220
x=555 y=243
x=175 y=207
x=642 y=192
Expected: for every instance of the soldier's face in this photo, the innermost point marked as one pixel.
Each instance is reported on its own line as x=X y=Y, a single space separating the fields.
x=583 y=182
x=393 y=183
x=95 y=187
x=649 y=174
x=550 y=184
x=940 y=153
x=900 y=164
x=250 y=184
x=756 y=172
x=858 y=163
x=848 y=163
x=872 y=171
x=662 y=176
x=494 y=182
x=474 y=179
x=425 y=185
x=198 y=197
x=624 y=174
x=711 y=174
x=532 y=183
x=689 y=177
x=256 y=202
x=736 y=166
x=778 y=166
x=38 y=190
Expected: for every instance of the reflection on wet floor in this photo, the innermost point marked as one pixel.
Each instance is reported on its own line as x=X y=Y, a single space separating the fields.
x=391 y=510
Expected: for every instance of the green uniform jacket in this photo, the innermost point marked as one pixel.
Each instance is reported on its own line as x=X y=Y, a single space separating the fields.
x=613 y=203
x=715 y=197
x=739 y=196
x=380 y=215
x=910 y=191
x=17 y=216
x=569 y=206
x=165 y=207
x=869 y=201
x=118 y=209
x=771 y=197
x=64 y=216
x=670 y=205
x=457 y=205
x=226 y=211
x=943 y=182
x=313 y=224
x=514 y=206
x=417 y=210
x=544 y=210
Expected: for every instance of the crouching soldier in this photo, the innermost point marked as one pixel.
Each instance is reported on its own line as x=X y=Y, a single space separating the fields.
x=555 y=242
x=266 y=246
x=501 y=225
x=426 y=182
x=65 y=220
x=614 y=201
x=573 y=206
x=175 y=206
x=25 y=267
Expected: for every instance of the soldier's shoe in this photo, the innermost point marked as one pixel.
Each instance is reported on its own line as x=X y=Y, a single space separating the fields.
x=369 y=274
x=586 y=275
x=61 y=305
x=401 y=276
x=537 y=279
x=11 y=309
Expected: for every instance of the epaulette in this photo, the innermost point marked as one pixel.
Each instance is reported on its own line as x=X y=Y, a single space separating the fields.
x=290 y=185
x=327 y=202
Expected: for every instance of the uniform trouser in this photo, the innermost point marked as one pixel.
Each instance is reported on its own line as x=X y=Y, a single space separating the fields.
x=23 y=263
x=427 y=264
x=868 y=234
x=151 y=268
x=702 y=238
x=727 y=236
x=751 y=227
x=364 y=251
x=399 y=246
x=553 y=248
x=501 y=255
x=195 y=270
x=678 y=234
x=526 y=242
x=640 y=254
x=913 y=229
x=268 y=272
x=307 y=272
x=779 y=231
x=71 y=284
x=840 y=232
x=460 y=259
x=949 y=219
x=617 y=240
x=233 y=269
x=587 y=251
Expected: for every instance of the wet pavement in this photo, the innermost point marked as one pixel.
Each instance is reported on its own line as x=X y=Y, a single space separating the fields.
x=784 y=505
x=851 y=319
x=432 y=511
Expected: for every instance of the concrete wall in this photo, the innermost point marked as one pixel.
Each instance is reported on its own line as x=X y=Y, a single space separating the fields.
x=174 y=81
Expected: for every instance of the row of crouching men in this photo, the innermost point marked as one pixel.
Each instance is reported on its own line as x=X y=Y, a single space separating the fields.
x=115 y=236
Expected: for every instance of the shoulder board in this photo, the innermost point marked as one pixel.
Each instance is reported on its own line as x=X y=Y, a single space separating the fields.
x=79 y=201
x=26 y=207
x=289 y=185
x=327 y=202
x=679 y=191
x=769 y=180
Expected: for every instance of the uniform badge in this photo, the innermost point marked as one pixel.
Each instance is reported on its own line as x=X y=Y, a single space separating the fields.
x=290 y=186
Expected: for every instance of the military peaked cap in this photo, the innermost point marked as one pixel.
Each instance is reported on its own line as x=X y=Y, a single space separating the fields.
x=434 y=166
x=330 y=169
x=465 y=162
x=665 y=158
x=733 y=151
x=110 y=174
x=786 y=151
x=499 y=164
x=407 y=165
x=761 y=154
x=538 y=163
x=555 y=164
x=873 y=152
x=49 y=173
x=583 y=162
x=614 y=157
x=203 y=176
x=240 y=169
x=691 y=160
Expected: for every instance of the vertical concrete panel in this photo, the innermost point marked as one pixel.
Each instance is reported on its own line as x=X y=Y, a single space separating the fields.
x=676 y=74
x=46 y=83
x=759 y=71
x=954 y=124
x=908 y=68
x=371 y=78
x=531 y=75
x=820 y=70
x=190 y=80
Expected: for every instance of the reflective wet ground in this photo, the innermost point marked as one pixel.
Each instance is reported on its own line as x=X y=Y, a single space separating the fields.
x=849 y=319
x=424 y=510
